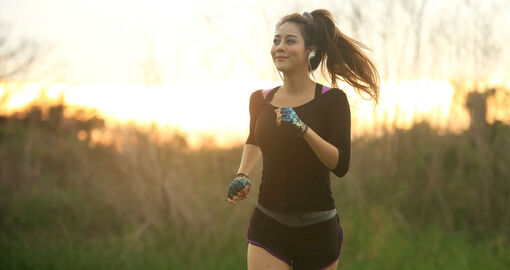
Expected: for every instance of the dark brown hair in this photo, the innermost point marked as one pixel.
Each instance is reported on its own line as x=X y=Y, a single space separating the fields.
x=340 y=55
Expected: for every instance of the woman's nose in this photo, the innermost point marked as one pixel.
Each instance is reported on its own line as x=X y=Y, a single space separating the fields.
x=279 y=46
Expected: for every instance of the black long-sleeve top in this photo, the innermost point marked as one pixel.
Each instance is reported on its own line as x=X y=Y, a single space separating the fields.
x=293 y=177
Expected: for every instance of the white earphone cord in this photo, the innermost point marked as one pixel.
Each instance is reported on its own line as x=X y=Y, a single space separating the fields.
x=310 y=56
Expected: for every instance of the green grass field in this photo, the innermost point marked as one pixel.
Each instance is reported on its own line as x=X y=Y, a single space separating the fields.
x=47 y=231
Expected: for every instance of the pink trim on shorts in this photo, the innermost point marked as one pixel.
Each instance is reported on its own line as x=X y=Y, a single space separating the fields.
x=264 y=247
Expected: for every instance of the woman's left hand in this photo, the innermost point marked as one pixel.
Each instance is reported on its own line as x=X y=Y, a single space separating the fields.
x=288 y=117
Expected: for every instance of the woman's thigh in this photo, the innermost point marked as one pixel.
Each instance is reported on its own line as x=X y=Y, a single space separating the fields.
x=261 y=259
x=334 y=266
x=268 y=243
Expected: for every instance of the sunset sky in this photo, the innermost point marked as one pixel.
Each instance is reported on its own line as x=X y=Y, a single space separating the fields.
x=195 y=63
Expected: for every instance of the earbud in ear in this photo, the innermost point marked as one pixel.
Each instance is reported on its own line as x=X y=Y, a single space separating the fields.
x=311 y=55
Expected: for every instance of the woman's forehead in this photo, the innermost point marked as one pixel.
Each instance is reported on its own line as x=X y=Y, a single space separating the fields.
x=288 y=28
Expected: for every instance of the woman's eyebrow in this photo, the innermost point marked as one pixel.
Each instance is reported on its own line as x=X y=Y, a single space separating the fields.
x=289 y=35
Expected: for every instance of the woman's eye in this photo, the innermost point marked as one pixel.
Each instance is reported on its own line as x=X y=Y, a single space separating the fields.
x=290 y=41
x=275 y=41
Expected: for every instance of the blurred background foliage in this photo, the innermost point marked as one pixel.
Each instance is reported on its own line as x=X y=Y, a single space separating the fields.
x=416 y=198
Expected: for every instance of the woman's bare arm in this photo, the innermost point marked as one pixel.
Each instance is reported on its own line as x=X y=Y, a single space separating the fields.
x=326 y=152
x=251 y=155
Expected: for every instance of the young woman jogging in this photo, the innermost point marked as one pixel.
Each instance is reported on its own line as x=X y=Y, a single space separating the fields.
x=302 y=131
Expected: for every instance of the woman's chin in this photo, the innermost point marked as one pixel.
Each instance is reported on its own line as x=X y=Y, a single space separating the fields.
x=282 y=68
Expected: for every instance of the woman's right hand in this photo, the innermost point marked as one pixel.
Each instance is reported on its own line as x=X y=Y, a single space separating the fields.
x=238 y=189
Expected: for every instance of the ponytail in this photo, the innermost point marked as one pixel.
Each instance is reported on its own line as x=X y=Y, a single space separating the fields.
x=340 y=55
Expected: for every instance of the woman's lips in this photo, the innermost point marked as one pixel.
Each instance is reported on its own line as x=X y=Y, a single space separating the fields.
x=280 y=58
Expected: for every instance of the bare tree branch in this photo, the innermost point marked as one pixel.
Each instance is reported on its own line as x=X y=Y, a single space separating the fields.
x=15 y=59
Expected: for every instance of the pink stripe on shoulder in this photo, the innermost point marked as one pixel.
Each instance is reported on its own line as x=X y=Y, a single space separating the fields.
x=325 y=89
x=267 y=91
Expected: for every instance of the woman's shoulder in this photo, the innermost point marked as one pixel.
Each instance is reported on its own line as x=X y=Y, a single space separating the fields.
x=257 y=98
x=335 y=96
x=257 y=95
x=333 y=91
x=260 y=94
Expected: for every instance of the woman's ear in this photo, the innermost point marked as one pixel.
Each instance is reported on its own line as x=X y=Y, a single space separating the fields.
x=312 y=51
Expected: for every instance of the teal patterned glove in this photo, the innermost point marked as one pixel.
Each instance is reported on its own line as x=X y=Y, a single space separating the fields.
x=291 y=119
x=240 y=182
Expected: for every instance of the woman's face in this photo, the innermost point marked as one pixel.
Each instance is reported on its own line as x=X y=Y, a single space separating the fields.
x=288 y=51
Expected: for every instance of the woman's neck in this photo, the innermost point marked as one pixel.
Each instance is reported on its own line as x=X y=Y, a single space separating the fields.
x=296 y=84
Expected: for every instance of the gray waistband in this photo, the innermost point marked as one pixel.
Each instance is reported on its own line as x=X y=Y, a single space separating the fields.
x=299 y=219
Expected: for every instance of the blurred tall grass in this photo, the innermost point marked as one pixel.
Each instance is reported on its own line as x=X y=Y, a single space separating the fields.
x=415 y=198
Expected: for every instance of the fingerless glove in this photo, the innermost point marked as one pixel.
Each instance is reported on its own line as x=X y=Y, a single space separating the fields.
x=291 y=120
x=240 y=182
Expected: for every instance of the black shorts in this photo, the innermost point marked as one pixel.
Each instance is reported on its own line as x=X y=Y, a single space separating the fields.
x=314 y=246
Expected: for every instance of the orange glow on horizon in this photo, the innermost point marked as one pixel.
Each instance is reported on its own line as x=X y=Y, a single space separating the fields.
x=219 y=115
